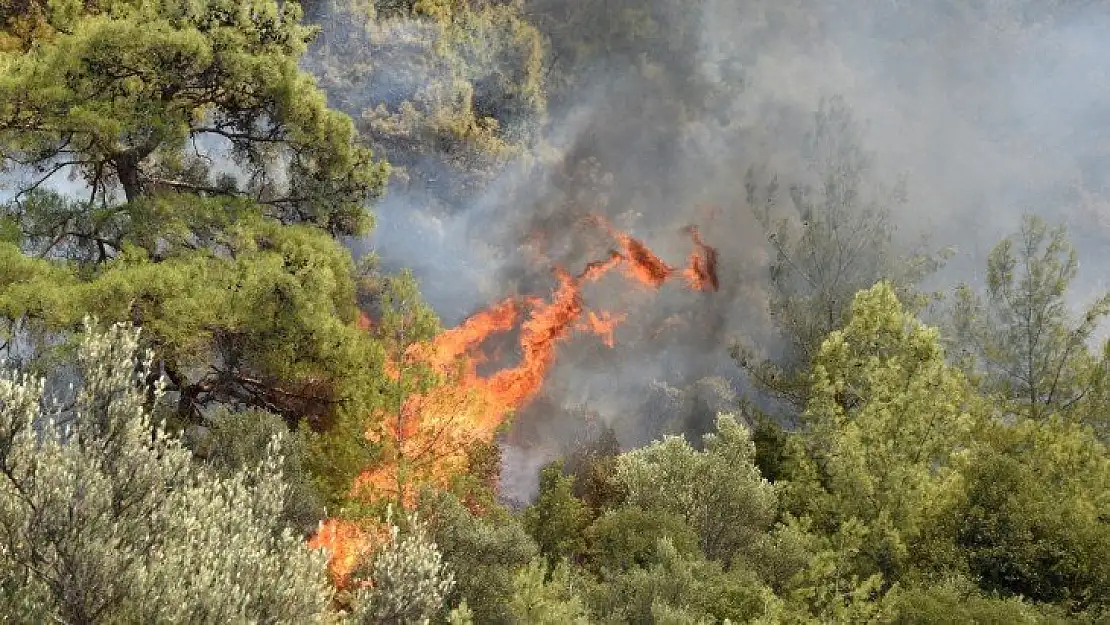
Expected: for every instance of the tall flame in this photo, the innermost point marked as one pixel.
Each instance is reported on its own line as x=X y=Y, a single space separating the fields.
x=434 y=430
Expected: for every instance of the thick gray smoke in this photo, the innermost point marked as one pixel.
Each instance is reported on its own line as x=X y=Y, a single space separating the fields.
x=657 y=108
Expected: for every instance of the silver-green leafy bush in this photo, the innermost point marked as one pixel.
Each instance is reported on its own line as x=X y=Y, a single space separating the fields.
x=408 y=580
x=105 y=517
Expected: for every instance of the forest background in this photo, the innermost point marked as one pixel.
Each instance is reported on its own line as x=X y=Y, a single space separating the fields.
x=550 y=311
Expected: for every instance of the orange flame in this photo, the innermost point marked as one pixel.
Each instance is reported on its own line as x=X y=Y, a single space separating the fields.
x=345 y=542
x=644 y=266
x=433 y=430
x=468 y=336
x=701 y=273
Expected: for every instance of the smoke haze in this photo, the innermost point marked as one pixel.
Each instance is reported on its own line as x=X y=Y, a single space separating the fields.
x=655 y=111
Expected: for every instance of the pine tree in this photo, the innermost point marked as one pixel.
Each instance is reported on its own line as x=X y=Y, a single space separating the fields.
x=835 y=238
x=1024 y=341
x=170 y=165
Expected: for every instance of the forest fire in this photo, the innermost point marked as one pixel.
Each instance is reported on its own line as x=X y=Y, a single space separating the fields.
x=433 y=430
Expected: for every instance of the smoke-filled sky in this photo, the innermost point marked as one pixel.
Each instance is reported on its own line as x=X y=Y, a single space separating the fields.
x=657 y=108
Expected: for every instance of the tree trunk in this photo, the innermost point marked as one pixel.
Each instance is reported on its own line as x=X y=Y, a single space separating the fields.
x=127 y=169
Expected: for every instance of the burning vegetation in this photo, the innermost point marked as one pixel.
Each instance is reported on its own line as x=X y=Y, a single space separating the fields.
x=434 y=430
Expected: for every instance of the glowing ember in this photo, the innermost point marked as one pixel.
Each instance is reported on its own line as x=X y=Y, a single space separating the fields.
x=433 y=431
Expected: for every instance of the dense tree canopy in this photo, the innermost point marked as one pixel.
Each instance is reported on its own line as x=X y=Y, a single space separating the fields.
x=170 y=165
x=126 y=96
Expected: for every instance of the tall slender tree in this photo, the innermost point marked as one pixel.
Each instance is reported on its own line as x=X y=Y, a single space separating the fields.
x=832 y=237
x=1030 y=348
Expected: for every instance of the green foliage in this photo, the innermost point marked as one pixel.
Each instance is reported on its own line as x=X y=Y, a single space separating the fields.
x=480 y=483
x=685 y=588
x=124 y=95
x=275 y=321
x=557 y=519
x=207 y=179
x=958 y=601
x=885 y=416
x=546 y=601
x=461 y=615
x=233 y=441
x=626 y=538
x=107 y=519
x=594 y=469
x=718 y=492
x=664 y=614
x=337 y=456
x=1032 y=519
x=486 y=550
x=269 y=324
x=771 y=444
x=833 y=579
